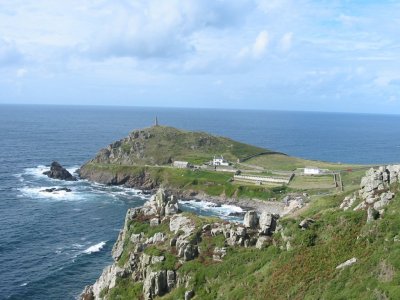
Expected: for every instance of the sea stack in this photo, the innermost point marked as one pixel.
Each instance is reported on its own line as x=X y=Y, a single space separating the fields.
x=59 y=172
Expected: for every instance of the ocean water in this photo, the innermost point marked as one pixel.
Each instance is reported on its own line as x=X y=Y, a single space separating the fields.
x=51 y=246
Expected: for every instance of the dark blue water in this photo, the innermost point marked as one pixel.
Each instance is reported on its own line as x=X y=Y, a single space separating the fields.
x=52 y=246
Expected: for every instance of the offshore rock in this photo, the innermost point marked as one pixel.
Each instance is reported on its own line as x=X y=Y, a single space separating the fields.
x=59 y=172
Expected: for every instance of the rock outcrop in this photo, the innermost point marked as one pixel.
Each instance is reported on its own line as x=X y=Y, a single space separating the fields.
x=59 y=172
x=374 y=193
x=143 y=257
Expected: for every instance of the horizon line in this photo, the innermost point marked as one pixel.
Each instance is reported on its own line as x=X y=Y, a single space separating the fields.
x=203 y=108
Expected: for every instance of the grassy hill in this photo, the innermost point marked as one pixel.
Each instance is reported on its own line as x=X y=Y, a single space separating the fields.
x=160 y=145
x=143 y=160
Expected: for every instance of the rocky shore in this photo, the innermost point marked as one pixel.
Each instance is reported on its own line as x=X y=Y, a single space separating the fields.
x=144 y=181
x=157 y=239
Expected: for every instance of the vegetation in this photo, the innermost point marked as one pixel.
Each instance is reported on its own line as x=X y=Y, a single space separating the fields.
x=289 y=163
x=208 y=182
x=125 y=289
x=308 y=271
x=194 y=147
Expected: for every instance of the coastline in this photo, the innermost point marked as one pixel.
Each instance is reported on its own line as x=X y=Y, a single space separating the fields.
x=147 y=184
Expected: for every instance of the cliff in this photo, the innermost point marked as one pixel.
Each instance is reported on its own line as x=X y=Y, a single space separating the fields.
x=339 y=247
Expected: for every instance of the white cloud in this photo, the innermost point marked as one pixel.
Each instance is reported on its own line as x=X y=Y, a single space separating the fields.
x=258 y=48
x=160 y=29
x=286 y=41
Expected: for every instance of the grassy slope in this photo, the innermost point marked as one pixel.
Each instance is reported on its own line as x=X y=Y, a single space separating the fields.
x=198 y=147
x=195 y=147
x=308 y=271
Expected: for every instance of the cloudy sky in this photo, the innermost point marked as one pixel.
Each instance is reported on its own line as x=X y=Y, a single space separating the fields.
x=321 y=55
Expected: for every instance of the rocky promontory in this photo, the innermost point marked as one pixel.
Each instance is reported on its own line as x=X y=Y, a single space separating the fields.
x=157 y=240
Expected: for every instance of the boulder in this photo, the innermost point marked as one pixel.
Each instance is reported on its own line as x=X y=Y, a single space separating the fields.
x=158 y=237
x=58 y=172
x=189 y=295
x=305 y=224
x=137 y=238
x=154 y=222
x=347 y=263
x=171 y=208
x=216 y=231
x=179 y=222
x=160 y=198
x=372 y=214
x=265 y=222
x=171 y=280
x=348 y=202
x=219 y=253
x=263 y=242
x=250 y=219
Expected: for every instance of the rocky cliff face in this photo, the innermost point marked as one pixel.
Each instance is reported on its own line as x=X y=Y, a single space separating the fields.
x=157 y=239
x=142 y=180
x=375 y=191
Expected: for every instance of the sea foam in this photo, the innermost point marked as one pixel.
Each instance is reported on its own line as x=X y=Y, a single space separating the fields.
x=38 y=192
x=95 y=248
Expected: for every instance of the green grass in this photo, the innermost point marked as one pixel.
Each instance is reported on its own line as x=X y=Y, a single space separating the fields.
x=125 y=289
x=209 y=182
x=288 y=163
x=309 y=270
x=167 y=144
x=312 y=182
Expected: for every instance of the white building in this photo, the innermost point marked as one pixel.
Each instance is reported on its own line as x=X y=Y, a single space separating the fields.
x=220 y=161
x=312 y=171
x=180 y=164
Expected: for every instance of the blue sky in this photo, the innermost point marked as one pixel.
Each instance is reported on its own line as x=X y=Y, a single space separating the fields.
x=256 y=54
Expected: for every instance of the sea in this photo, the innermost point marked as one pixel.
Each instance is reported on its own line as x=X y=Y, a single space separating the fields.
x=52 y=245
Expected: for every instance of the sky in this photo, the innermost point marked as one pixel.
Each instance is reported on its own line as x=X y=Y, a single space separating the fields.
x=326 y=55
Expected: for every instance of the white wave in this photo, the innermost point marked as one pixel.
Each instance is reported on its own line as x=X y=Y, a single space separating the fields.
x=76 y=245
x=223 y=211
x=38 y=192
x=24 y=284
x=95 y=248
x=37 y=171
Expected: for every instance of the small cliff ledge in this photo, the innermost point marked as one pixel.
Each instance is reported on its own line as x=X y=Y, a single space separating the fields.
x=157 y=240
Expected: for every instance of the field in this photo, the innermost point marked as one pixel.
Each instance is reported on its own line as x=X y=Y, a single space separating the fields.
x=313 y=182
x=288 y=163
